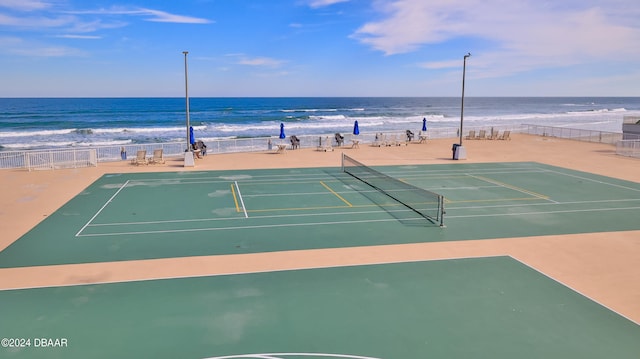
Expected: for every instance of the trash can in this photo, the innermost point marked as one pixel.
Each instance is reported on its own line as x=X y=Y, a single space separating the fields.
x=454 y=149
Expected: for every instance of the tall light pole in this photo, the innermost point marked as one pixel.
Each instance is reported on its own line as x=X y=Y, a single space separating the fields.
x=188 y=155
x=464 y=67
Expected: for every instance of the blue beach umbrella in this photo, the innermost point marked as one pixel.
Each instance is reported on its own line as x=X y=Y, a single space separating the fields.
x=282 y=135
x=356 y=129
x=192 y=138
x=424 y=124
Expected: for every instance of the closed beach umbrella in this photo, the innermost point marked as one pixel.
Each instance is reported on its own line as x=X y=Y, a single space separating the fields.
x=356 y=129
x=424 y=124
x=282 y=135
x=192 y=138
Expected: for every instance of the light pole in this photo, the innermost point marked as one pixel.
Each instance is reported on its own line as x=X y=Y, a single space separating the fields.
x=188 y=155
x=459 y=152
x=464 y=67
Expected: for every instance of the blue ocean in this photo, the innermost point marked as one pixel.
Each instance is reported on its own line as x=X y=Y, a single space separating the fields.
x=36 y=123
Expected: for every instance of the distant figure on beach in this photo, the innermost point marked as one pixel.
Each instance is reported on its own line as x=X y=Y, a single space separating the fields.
x=295 y=142
x=202 y=147
x=409 y=135
x=339 y=139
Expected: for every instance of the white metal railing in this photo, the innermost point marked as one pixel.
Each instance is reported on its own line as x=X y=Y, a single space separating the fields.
x=629 y=148
x=78 y=157
x=56 y=159
x=18 y=159
x=574 y=134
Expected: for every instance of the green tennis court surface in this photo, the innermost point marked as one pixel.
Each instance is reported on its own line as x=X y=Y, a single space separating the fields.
x=160 y=215
x=494 y=308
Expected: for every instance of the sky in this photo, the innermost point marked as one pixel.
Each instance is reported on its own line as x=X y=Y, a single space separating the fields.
x=273 y=48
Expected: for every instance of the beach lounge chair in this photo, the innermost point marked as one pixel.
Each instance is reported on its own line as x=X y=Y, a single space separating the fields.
x=339 y=139
x=505 y=135
x=158 y=157
x=482 y=135
x=281 y=148
x=326 y=145
x=141 y=158
x=471 y=135
x=396 y=140
x=379 y=140
x=295 y=142
x=422 y=137
x=409 y=136
x=494 y=134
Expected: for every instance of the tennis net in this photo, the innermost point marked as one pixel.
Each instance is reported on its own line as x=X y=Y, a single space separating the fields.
x=427 y=204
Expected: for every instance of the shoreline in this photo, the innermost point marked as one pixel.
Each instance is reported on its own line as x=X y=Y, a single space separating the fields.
x=602 y=266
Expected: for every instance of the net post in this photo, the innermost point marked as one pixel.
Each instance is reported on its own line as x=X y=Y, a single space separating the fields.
x=342 y=163
x=441 y=211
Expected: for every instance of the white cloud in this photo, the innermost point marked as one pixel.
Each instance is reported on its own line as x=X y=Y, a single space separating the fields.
x=86 y=37
x=151 y=14
x=161 y=16
x=35 y=21
x=260 y=61
x=323 y=3
x=24 y=5
x=522 y=35
x=20 y=47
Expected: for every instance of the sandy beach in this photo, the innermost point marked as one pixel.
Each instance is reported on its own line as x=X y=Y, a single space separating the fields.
x=602 y=266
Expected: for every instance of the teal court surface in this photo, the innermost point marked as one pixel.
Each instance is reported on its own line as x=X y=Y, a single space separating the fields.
x=163 y=215
x=493 y=307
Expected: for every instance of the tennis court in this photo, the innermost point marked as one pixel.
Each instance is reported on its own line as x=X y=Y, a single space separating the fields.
x=491 y=307
x=494 y=308
x=164 y=215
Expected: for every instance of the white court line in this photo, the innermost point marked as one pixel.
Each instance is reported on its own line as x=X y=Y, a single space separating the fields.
x=596 y=181
x=511 y=187
x=575 y=290
x=247 y=227
x=284 y=355
x=244 y=209
x=253 y=217
x=546 y=212
x=103 y=207
x=285 y=225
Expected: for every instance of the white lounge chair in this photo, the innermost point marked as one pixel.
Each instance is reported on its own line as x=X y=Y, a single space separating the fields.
x=471 y=136
x=326 y=145
x=505 y=135
x=141 y=158
x=158 y=156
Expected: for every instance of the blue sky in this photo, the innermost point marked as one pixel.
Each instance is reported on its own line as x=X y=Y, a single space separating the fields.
x=92 y=48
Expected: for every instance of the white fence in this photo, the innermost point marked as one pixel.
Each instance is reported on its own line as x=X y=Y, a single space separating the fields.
x=629 y=148
x=85 y=157
x=574 y=134
x=49 y=159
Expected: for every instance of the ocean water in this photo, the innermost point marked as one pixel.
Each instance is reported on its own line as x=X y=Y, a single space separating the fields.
x=33 y=123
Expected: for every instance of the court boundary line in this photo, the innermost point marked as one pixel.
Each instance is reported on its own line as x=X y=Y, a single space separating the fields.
x=246 y=227
x=282 y=355
x=597 y=181
x=512 y=187
x=244 y=209
x=574 y=290
x=349 y=213
x=547 y=212
x=102 y=208
x=345 y=222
